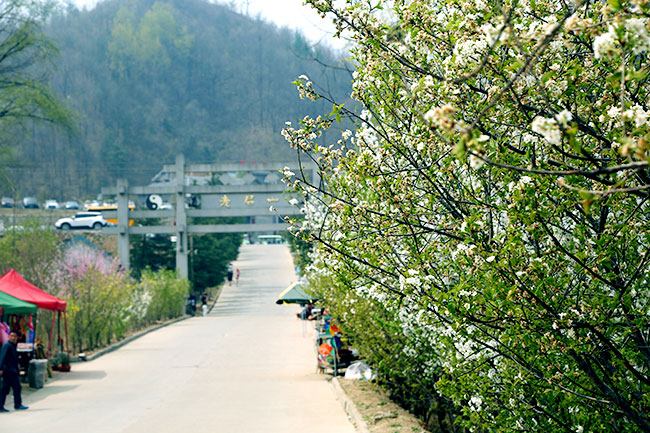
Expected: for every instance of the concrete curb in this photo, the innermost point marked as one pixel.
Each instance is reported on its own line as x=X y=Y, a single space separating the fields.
x=349 y=407
x=216 y=298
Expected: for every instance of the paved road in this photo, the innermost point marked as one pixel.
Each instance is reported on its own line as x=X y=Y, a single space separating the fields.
x=248 y=367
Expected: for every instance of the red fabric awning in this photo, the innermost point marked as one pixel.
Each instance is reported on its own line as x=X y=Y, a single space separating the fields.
x=12 y=283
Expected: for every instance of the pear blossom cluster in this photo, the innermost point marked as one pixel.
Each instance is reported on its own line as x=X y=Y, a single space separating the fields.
x=483 y=232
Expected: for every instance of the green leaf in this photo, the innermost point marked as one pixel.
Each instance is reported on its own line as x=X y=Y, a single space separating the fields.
x=547 y=76
x=637 y=75
x=614 y=79
x=587 y=199
x=614 y=5
x=460 y=149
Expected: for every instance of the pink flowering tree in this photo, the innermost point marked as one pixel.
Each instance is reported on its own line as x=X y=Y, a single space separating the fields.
x=79 y=259
x=98 y=293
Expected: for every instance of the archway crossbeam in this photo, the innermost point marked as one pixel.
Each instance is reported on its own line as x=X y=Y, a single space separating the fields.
x=243 y=191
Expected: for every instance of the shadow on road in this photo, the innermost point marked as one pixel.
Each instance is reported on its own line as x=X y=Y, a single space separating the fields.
x=88 y=375
x=32 y=397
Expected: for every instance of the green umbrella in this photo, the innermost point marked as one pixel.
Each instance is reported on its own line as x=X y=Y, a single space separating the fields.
x=295 y=294
x=11 y=305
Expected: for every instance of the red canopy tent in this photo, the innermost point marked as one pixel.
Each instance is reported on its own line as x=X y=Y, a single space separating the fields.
x=12 y=283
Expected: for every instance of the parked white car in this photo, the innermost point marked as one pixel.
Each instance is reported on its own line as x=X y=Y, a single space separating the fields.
x=82 y=220
x=72 y=204
x=51 y=204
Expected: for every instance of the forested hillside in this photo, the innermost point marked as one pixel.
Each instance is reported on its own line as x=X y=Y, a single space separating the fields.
x=149 y=79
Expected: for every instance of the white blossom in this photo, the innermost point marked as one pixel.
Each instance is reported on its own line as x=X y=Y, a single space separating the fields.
x=547 y=128
x=637 y=35
x=636 y=113
x=475 y=162
x=564 y=117
x=606 y=45
x=492 y=34
x=475 y=403
x=469 y=51
x=614 y=112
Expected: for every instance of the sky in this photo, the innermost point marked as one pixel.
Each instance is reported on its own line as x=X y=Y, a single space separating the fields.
x=284 y=13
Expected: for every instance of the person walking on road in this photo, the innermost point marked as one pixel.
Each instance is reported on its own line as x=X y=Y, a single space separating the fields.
x=237 y=277
x=10 y=373
x=230 y=272
x=204 y=304
x=191 y=302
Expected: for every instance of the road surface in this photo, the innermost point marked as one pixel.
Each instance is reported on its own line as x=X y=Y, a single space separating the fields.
x=248 y=367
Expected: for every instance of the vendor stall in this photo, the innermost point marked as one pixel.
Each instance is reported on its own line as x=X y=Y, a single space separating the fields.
x=18 y=315
x=295 y=294
x=12 y=283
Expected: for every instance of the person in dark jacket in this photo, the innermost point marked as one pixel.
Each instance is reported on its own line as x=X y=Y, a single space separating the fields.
x=9 y=372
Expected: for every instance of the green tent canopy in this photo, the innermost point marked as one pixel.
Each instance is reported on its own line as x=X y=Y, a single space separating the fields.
x=11 y=305
x=295 y=294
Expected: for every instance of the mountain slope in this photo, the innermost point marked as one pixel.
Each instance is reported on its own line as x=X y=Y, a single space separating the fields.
x=150 y=79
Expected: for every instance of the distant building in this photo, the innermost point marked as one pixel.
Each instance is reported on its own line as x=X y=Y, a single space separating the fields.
x=258 y=177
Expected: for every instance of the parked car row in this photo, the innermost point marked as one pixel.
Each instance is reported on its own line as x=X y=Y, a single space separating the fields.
x=32 y=203
x=92 y=218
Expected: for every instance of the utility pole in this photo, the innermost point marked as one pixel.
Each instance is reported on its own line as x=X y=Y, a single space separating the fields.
x=123 y=223
x=181 y=219
x=191 y=258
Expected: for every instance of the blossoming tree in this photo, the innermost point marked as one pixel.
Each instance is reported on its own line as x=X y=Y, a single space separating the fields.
x=97 y=292
x=492 y=205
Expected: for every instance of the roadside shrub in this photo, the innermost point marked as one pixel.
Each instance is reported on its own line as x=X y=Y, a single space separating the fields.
x=97 y=309
x=104 y=302
x=98 y=293
x=163 y=293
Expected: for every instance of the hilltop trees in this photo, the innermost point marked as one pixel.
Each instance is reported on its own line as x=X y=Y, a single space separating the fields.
x=154 y=78
x=484 y=231
x=24 y=49
x=147 y=48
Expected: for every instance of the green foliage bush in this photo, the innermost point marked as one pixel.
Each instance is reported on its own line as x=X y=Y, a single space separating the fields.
x=31 y=251
x=97 y=309
x=102 y=308
x=208 y=260
x=166 y=295
x=300 y=249
x=154 y=252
